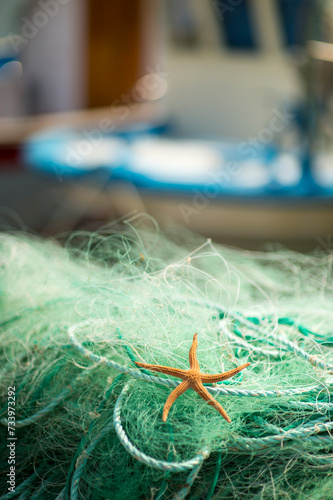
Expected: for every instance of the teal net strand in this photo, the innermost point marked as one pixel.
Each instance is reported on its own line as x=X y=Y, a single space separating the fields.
x=325 y=339
x=130 y=354
x=215 y=477
x=254 y=323
x=246 y=345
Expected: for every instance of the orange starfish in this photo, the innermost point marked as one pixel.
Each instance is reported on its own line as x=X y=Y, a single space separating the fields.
x=193 y=378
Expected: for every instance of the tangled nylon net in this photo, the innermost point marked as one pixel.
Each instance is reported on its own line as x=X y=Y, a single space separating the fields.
x=76 y=317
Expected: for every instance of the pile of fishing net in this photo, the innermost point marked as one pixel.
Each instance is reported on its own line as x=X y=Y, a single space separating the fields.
x=88 y=422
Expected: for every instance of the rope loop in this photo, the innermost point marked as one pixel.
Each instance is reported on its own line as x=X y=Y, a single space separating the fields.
x=142 y=457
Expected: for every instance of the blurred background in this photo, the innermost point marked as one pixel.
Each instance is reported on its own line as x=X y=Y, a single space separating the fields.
x=216 y=115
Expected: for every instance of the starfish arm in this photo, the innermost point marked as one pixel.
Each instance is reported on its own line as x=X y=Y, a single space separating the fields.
x=204 y=394
x=194 y=364
x=182 y=387
x=167 y=370
x=211 y=379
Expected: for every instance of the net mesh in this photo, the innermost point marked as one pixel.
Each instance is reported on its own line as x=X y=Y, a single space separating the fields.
x=88 y=422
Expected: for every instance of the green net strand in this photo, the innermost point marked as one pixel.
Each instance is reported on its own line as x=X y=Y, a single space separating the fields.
x=130 y=354
x=77 y=316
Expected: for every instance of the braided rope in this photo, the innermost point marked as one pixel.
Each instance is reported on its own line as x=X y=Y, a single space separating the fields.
x=142 y=457
x=21 y=488
x=231 y=391
x=243 y=443
x=304 y=405
x=312 y=359
x=181 y=494
x=195 y=463
x=322 y=460
x=48 y=408
x=82 y=461
x=171 y=466
x=40 y=414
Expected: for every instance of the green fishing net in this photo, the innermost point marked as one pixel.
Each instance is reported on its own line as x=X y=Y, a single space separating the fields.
x=88 y=422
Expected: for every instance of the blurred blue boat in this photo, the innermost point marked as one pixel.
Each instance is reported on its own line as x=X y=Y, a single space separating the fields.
x=148 y=158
